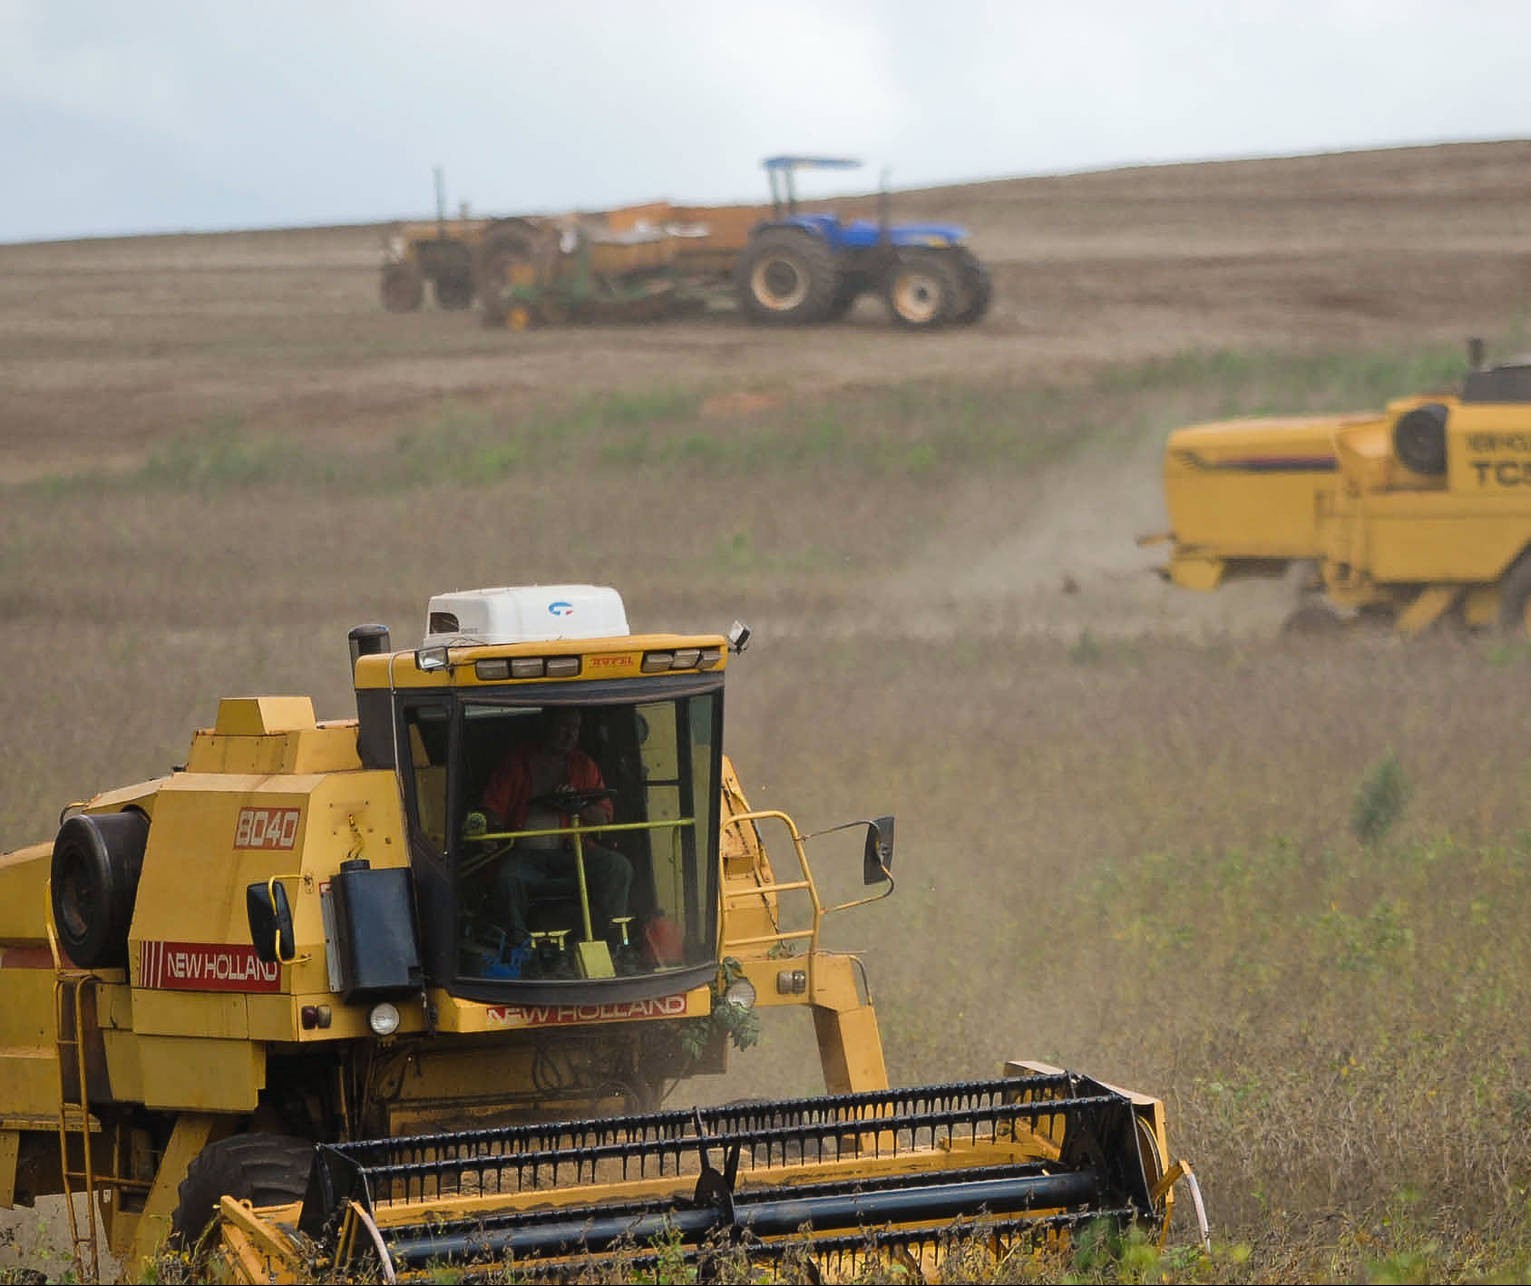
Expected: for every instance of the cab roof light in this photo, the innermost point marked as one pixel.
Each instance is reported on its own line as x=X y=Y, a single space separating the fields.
x=708 y=657
x=685 y=658
x=563 y=667
x=655 y=662
x=494 y=668
x=526 y=667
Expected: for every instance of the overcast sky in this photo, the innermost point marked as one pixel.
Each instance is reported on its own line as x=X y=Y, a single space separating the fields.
x=124 y=116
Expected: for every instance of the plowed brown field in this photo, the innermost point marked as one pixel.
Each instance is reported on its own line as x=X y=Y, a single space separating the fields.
x=1021 y=771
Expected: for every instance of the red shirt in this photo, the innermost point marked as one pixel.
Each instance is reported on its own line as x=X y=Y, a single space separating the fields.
x=510 y=787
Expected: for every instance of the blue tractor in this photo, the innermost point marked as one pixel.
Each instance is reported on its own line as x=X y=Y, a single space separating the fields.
x=801 y=267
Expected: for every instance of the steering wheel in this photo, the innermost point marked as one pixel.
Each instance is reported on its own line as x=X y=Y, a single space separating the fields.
x=569 y=800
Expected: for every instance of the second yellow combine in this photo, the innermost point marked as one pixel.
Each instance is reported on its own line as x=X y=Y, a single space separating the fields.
x=1420 y=511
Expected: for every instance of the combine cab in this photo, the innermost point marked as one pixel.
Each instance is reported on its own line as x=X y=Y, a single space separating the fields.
x=327 y=986
x=1420 y=511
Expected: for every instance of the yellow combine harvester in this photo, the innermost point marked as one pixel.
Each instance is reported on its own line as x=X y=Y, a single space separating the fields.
x=411 y=988
x=1421 y=510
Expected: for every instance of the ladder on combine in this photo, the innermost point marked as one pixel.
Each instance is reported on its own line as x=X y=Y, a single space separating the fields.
x=73 y=1016
x=70 y=989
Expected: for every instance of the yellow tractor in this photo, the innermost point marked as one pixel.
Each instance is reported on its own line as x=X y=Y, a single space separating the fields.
x=324 y=989
x=1418 y=512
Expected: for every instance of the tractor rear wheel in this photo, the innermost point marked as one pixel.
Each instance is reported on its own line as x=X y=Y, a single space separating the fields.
x=263 y=1169
x=786 y=277
x=922 y=290
x=402 y=288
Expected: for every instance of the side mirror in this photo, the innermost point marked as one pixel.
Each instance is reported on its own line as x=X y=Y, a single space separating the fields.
x=270 y=917
x=877 y=862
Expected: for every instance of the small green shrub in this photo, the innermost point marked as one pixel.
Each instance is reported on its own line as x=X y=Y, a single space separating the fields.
x=1380 y=800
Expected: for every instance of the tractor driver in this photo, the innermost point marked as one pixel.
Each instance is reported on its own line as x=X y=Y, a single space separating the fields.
x=516 y=799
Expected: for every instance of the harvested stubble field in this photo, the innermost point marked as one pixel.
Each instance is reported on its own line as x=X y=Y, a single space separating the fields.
x=1126 y=815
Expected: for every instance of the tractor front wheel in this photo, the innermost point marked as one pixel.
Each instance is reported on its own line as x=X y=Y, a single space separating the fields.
x=787 y=277
x=922 y=291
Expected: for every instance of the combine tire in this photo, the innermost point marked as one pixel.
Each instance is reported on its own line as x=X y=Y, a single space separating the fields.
x=922 y=290
x=453 y=293
x=403 y=288
x=263 y=1169
x=1419 y=439
x=94 y=882
x=1515 y=598
x=786 y=277
x=978 y=289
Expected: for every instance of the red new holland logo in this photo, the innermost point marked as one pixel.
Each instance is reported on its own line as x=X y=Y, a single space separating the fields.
x=204 y=966
x=562 y=1015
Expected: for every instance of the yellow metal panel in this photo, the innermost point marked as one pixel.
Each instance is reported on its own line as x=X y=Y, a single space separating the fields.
x=187 y=1072
x=10 y=1149
x=216 y=1015
x=1191 y=571
x=1418 y=547
x=1428 y=608
x=29 y=1079
x=257 y=716
x=123 y=1069
x=24 y=893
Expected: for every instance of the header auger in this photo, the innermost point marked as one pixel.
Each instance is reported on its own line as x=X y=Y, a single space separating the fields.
x=384 y=991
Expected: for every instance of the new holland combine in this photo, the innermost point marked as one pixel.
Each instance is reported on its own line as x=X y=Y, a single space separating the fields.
x=300 y=1000
x=1421 y=511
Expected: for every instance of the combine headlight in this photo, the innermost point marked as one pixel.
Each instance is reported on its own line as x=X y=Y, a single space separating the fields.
x=384 y=1019
x=741 y=992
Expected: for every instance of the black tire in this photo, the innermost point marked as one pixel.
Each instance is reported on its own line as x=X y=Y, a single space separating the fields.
x=786 y=277
x=263 y=1169
x=454 y=292
x=1419 y=439
x=97 y=859
x=402 y=288
x=1515 y=597
x=977 y=288
x=922 y=290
